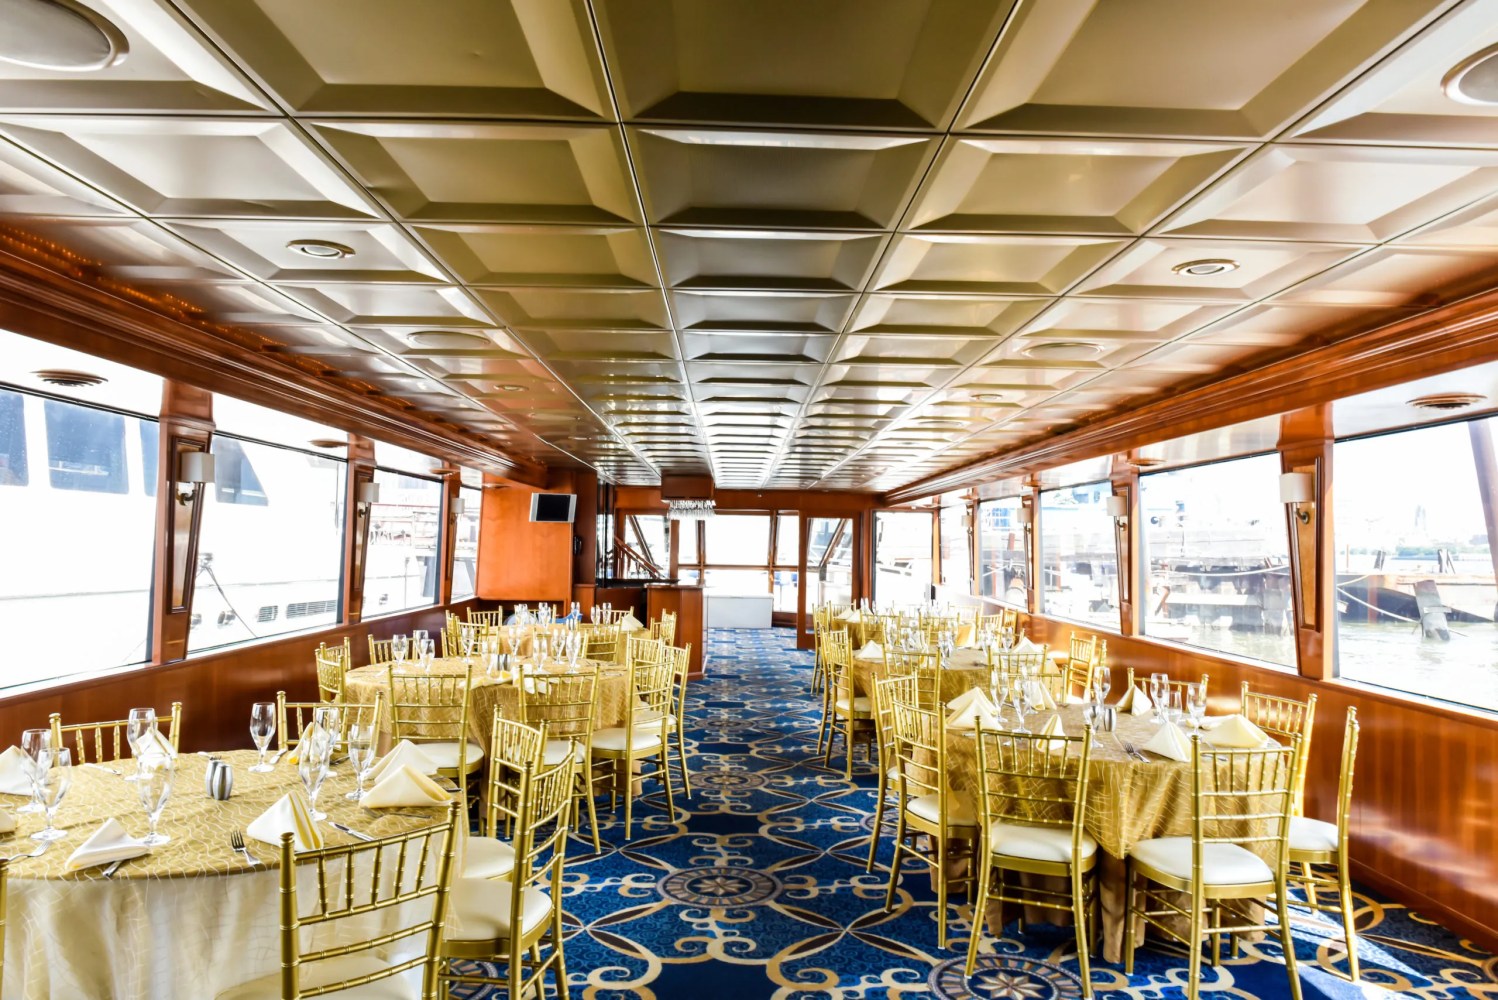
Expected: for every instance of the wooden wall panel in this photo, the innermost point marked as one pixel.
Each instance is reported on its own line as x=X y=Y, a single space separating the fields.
x=518 y=560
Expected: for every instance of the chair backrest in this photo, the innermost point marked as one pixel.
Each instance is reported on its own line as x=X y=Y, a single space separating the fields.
x=1035 y=780
x=603 y=642
x=563 y=706
x=650 y=688
x=1009 y=619
x=491 y=619
x=377 y=887
x=1283 y=718
x=515 y=751
x=1018 y=663
x=332 y=664
x=431 y=708
x=1174 y=685
x=837 y=658
x=1085 y=655
x=642 y=649
x=924 y=669
x=293 y=717
x=664 y=628
x=1344 y=782
x=1243 y=797
x=886 y=690
x=680 y=659
x=102 y=742
x=920 y=752
x=380 y=650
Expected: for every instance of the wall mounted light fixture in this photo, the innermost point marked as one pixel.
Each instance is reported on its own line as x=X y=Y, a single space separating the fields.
x=1118 y=508
x=194 y=468
x=365 y=496
x=1298 y=491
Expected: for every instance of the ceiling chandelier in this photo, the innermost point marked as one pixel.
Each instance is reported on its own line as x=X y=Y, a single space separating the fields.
x=689 y=510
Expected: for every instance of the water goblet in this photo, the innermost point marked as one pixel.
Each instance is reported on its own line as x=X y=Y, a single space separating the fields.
x=1196 y=703
x=1159 y=684
x=360 y=756
x=139 y=723
x=54 y=776
x=312 y=766
x=426 y=651
x=262 y=728
x=155 y=788
x=1173 y=706
x=400 y=648
x=1019 y=695
x=35 y=743
x=469 y=638
x=1102 y=682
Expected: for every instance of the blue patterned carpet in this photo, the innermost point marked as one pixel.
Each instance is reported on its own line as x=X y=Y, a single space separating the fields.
x=759 y=891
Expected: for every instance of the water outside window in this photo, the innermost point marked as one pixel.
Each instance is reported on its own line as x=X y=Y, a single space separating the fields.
x=404 y=541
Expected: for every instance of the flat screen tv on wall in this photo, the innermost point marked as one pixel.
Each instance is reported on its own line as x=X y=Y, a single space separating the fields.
x=553 y=507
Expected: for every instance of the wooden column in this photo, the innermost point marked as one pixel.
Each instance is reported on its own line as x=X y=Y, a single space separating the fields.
x=448 y=543
x=1306 y=446
x=186 y=425
x=1031 y=500
x=356 y=520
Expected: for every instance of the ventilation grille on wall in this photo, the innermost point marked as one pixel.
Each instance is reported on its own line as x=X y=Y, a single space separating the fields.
x=69 y=379
x=1447 y=400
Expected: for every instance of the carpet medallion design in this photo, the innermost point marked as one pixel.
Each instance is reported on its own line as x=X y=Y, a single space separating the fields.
x=757 y=889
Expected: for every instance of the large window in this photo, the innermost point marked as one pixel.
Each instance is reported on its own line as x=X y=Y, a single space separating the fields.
x=1078 y=560
x=1003 y=567
x=405 y=537
x=270 y=555
x=829 y=560
x=1217 y=558
x=902 y=556
x=78 y=537
x=737 y=540
x=787 y=557
x=956 y=555
x=466 y=545
x=1414 y=562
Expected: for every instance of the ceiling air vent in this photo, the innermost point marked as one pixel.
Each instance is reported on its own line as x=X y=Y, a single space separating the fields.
x=1447 y=400
x=61 y=35
x=1474 y=80
x=68 y=379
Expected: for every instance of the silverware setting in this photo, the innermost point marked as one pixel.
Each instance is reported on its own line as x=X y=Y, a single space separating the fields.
x=101 y=767
x=352 y=833
x=1134 y=752
x=113 y=867
x=42 y=849
x=276 y=757
x=236 y=841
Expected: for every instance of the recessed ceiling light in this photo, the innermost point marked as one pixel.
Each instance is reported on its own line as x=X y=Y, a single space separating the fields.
x=511 y=387
x=445 y=340
x=1474 y=80
x=69 y=379
x=988 y=397
x=59 y=35
x=1206 y=268
x=328 y=443
x=1063 y=350
x=321 y=249
x=1447 y=400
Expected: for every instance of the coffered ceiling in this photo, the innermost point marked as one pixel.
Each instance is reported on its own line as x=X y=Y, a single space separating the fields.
x=843 y=244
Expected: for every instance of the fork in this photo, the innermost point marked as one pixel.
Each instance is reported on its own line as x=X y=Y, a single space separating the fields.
x=236 y=841
x=1134 y=752
x=34 y=854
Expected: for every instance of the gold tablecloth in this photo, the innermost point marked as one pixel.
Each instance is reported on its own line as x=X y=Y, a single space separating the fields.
x=524 y=646
x=191 y=918
x=967 y=669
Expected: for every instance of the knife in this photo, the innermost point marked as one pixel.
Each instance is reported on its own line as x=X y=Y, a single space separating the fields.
x=109 y=872
x=352 y=833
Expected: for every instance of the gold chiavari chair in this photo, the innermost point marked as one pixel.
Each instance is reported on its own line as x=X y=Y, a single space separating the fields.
x=844 y=711
x=514 y=751
x=1283 y=718
x=293 y=717
x=1173 y=684
x=886 y=689
x=1237 y=854
x=1009 y=620
x=483 y=926
x=1085 y=656
x=819 y=671
x=104 y=742
x=990 y=623
x=664 y=628
x=450 y=644
x=380 y=650
x=332 y=663
x=680 y=658
x=641 y=649
x=641 y=738
x=357 y=895
x=613 y=616
x=1030 y=664
x=431 y=710
x=457 y=634
x=927 y=805
x=921 y=665
x=1316 y=843
x=489 y=619
x=603 y=643
x=563 y=709
x=1032 y=804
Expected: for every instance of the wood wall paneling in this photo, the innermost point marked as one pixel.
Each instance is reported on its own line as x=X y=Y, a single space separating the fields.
x=519 y=560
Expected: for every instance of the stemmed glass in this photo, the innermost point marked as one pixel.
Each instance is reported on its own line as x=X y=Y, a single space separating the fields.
x=1102 y=683
x=54 y=775
x=312 y=764
x=138 y=725
x=1173 y=706
x=1196 y=703
x=469 y=638
x=1159 y=684
x=262 y=728
x=400 y=648
x=156 y=772
x=360 y=756
x=426 y=649
x=35 y=743
x=1019 y=696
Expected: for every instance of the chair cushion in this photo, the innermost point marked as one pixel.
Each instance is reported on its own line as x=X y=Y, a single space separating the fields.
x=556 y=751
x=1036 y=843
x=444 y=754
x=861 y=705
x=331 y=971
x=649 y=716
x=615 y=739
x=479 y=909
x=959 y=812
x=1222 y=864
x=1313 y=835
x=487 y=857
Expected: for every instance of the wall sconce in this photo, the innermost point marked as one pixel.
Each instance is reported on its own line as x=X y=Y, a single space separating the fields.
x=457 y=507
x=1118 y=508
x=1298 y=490
x=365 y=496
x=194 y=468
x=1025 y=516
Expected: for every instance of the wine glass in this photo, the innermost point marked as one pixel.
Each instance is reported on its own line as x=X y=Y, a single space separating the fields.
x=328 y=720
x=139 y=724
x=1102 y=683
x=1173 y=706
x=54 y=775
x=1159 y=684
x=360 y=756
x=400 y=648
x=35 y=743
x=426 y=649
x=1019 y=694
x=469 y=638
x=312 y=765
x=1196 y=703
x=155 y=788
x=262 y=728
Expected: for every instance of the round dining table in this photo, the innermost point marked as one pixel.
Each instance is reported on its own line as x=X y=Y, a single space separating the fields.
x=189 y=919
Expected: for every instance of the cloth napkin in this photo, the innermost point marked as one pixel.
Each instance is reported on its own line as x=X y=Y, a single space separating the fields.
x=155 y=742
x=404 y=786
x=630 y=623
x=15 y=772
x=1053 y=727
x=967 y=637
x=290 y=814
x=872 y=651
x=404 y=754
x=109 y=843
x=1026 y=646
x=1236 y=731
x=977 y=709
x=967 y=697
x=1135 y=701
x=851 y=615
x=1170 y=742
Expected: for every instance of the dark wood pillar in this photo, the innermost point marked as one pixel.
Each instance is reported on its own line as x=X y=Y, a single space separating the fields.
x=186 y=426
x=1306 y=446
x=356 y=526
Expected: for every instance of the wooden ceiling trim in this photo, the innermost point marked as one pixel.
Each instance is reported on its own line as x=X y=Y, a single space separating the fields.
x=1455 y=336
x=67 y=303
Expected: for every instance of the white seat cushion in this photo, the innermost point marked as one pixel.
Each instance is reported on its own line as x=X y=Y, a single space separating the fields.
x=556 y=751
x=1312 y=835
x=861 y=705
x=1036 y=843
x=487 y=857
x=479 y=909
x=444 y=754
x=959 y=813
x=615 y=739
x=649 y=716
x=1222 y=864
x=331 y=971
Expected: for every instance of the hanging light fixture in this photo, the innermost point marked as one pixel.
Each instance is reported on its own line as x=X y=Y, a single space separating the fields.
x=689 y=510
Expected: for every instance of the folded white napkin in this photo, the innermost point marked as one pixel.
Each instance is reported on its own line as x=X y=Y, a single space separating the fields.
x=872 y=651
x=15 y=772
x=1053 y=727
x=109 y=843
x=289 y=815
x=155 y=742
x=1026 y=646
x=977 y=709
x=630 y=623
x=404 y=754
x=967 y=697
x=851 y=615
x=1047 y=700
x=1170 y=742
x=1236 y=731
x=967 y=637
x=405 y=786
x=1135 y=701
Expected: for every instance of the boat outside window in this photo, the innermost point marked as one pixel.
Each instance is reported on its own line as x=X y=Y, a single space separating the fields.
x=1216 y=558
x=1078 y=559
x=902 y=556
x=466 y=547
x=405 y=537
x=1414 y=518
x=1003 y=569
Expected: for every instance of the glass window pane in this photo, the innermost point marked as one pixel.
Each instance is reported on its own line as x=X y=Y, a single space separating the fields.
x=1079 y=564
x=85 y=448
x=270 y=556
x=956 y=557
x=1412 y=541
x=150 y=454
x=787 y=540
x=787 y=585
x=389 y=456
x=1217 y=558
x=404 y=539
x=737 y=581
x=1003 y=572
x=651 y=536
x=76 y=562
x=738 y=539
x=466 y=548
x=902 y=556
x=259 y=423
x=829 y=563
